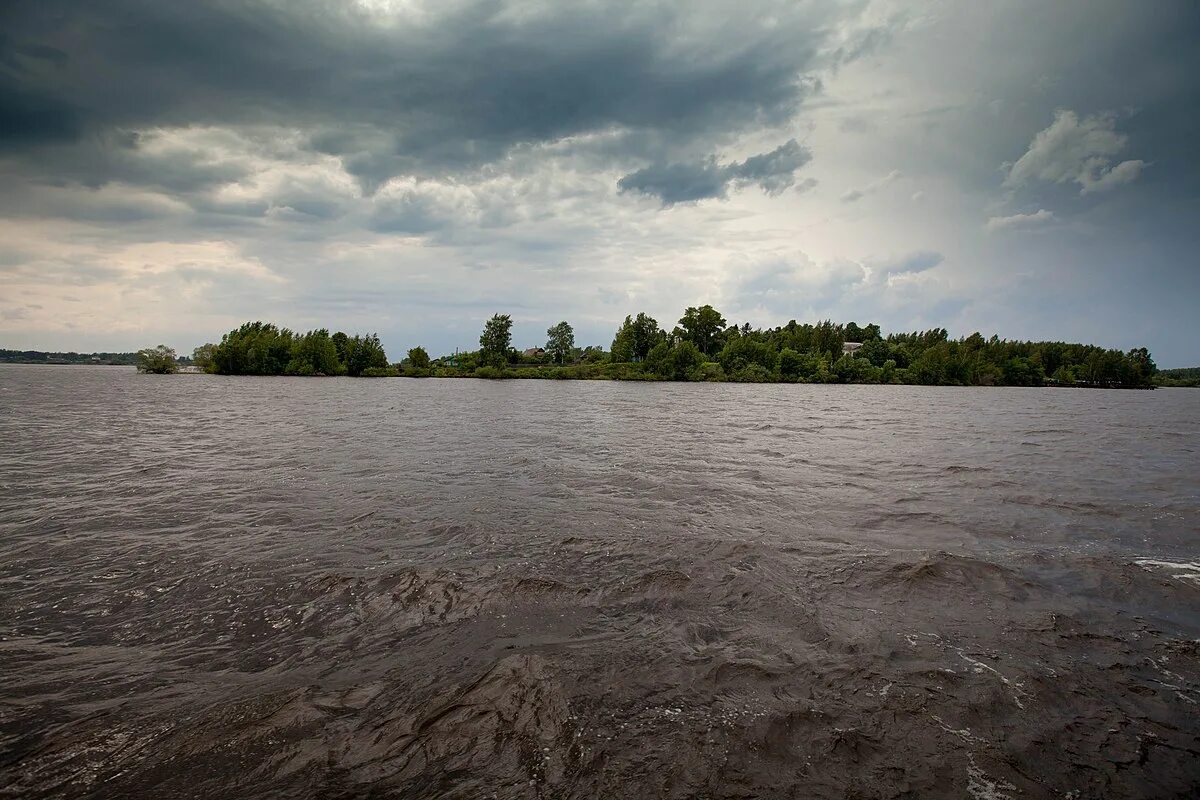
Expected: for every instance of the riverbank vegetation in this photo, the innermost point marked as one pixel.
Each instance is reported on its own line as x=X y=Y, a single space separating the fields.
x=43 y=357
x=1187 y=376
x=157 y=360
x=701 y=346
x=261 y=348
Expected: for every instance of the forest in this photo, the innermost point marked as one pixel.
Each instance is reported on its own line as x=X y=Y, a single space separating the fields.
x=701 y=346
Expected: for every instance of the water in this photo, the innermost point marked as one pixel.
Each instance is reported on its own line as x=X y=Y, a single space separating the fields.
x=215 y=587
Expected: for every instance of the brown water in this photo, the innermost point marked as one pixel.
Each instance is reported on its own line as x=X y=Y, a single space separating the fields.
x=241 y=587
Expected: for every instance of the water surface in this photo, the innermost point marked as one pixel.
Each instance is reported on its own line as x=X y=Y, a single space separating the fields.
x=216 y=587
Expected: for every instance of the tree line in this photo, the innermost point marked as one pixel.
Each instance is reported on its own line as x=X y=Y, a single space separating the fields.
x=43 y=357
x=1186 y=376
x=701 y=346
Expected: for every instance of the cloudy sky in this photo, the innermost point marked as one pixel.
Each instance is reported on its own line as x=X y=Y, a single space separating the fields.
x=169 y=170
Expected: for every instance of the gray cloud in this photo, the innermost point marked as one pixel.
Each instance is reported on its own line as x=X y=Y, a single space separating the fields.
x=687 y=182
x=189 y=165
x=1074 y=150
x=455 y=87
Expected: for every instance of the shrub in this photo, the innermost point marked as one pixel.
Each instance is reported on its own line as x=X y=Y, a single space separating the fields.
x=157 y=360
x=753 y=373
x=743 y=351
x=708 y=371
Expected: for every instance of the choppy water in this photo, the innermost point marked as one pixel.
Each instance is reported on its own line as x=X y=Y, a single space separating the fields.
x=219 y=587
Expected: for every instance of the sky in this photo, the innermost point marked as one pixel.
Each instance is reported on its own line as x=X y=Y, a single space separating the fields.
x=1023 y=168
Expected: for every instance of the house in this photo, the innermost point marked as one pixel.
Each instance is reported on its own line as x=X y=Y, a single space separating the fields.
x=534 y=352
x=848 y=348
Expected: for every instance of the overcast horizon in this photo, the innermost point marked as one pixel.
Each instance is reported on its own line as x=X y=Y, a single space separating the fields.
x=1025 y=169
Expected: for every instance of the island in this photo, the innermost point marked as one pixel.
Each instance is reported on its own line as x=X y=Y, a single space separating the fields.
x=701 y=346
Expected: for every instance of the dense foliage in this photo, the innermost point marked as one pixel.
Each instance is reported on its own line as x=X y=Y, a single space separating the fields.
x=260 y=348
x=704 y=347
x=158 y=360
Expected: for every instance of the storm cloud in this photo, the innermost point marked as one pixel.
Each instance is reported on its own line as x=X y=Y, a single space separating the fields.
x=441 y=88
x=411 y=167
x=681 y=183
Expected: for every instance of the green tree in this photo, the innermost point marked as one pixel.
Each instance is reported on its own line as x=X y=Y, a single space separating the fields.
x=256 y=348
x=743 y=351
x=202 y=357
x=1143 y=365
x=314 y=353
x=636 y=337
x=340 y=342
x=157 y=360
x=560 y=341
x=418 y=358
x=364 y=353
x=496 y=340
x=794 y=366
x=702 y=326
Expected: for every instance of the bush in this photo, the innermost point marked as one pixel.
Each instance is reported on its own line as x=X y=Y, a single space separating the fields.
x=380 y=372
x=741 y=352
x=794 y=366
x=850 y=369
x=674 y=362
x=157 y=360
x=708 y=371
x=753 y=373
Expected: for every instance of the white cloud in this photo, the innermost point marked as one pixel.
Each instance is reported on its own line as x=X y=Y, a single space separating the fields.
x=1125 y=172
x=1074 y=150
x=1039 y=217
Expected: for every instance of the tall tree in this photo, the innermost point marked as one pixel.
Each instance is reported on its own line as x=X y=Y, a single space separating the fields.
x=560 y=341
x=418 y=358
x=636 y=337
x=340 y=340
x=496 y=340
x=701 y=326
x=363 y=353
x=202 y=357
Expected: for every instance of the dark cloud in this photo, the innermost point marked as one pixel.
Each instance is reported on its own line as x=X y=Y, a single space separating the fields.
x=679 y=183
x=443 y=91
x=702 y=180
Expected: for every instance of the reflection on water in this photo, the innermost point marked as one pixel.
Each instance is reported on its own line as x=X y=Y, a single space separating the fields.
x=332 y=588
